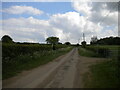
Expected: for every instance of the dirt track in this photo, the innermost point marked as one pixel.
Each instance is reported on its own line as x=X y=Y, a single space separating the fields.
x=64 y=72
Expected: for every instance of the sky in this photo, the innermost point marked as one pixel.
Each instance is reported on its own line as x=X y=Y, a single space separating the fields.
x=35 y=21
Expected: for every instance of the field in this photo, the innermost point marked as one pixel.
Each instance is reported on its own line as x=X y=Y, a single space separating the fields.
x=105 y=74
x=17 y=57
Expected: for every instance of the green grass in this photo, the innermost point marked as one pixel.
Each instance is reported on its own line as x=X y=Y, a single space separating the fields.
x=26 y=62
x=113 y=52
x=88 y=53
x=114 y=49
x=103 y=75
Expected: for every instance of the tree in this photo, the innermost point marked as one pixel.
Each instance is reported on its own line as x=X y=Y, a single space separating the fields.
x=67 y=43
x=59 y=43
x=108 y=41
x=6 y=39
x=77 y=44
x=93 y=40
x=83 y=44
x=52 y=40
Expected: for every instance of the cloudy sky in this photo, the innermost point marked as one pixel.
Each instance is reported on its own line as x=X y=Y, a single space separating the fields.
x=35 y=21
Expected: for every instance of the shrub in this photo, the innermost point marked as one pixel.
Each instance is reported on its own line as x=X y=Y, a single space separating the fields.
x=101 y=51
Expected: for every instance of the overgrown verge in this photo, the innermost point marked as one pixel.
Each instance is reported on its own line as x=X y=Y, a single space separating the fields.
x=13 y=65
x=9 y=51
x=88 y=53
x=104 y=74
x=106 y=51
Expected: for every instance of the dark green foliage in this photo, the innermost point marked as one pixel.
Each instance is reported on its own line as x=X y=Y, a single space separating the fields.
x=78 y=44
x=93 y=40
x=53 y=46
x=6 y=39
x=103 y=75
x=59 y=43
x=83 y=44
x=88 y=53
x=107 y=51
x=67 y=43
x=52 y=40
x=101 y=51
x=10 y=51
x=107 y=41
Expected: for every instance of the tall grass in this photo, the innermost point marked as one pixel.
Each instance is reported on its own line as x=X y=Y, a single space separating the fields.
x=102 y=75
x=88 y=53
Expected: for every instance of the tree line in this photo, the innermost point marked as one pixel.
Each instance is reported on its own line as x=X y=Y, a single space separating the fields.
x=55 y=40
x=105 y=41
x=49 y=40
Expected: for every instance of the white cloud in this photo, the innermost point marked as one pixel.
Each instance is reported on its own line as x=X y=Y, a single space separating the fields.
x=23 y=29
x=109 y=32
x=82 y=7
x=22 y=9
x=98 y=12
x=68 y=26
x=74 y=25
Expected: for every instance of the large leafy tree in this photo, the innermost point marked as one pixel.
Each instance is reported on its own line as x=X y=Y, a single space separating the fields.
x=52 y=40
x=67 y=43
x=105 y=41
x=94 y=40
x=6 y=39
x=83 y=44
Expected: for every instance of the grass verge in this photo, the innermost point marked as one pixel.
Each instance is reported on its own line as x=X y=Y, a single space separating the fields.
x=102 y=75
x=26 y=62
x=88 y=53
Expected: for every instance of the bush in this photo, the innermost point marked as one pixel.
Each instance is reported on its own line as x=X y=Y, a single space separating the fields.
x=10 y=51
x=6 y=39
x=101 y=51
